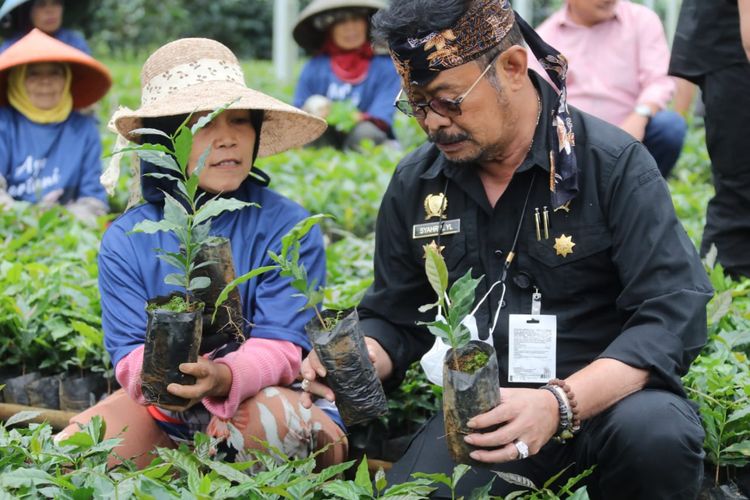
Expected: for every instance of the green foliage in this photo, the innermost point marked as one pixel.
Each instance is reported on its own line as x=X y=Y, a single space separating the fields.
x=343 y=116
x=33 y=465
x=545 y=493
x=188 y=218
x=49 y=308
x=454 y=305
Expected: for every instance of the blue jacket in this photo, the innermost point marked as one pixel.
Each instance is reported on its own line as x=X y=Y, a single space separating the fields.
x=130 y=272
x=36 y=159
x=374 y=95
x=70 y=37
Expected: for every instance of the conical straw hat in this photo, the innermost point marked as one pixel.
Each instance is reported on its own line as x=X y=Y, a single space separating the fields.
x=198 y=74
x=91 y=79
x=308 y=36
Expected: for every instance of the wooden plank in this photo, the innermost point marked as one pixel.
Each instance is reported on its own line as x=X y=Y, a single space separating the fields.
x=56 y=418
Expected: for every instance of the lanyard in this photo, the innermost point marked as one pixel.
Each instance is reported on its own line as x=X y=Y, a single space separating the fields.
x=508 y=259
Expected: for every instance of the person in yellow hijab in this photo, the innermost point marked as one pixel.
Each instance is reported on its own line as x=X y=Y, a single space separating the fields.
x=49 y=152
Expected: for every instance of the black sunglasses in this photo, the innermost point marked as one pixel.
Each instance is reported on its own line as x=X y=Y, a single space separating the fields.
x=440 y=105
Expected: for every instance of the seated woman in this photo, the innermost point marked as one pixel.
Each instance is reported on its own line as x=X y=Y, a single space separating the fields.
x=344 y=67
x=251 y=383
x=49 y=152
x=46 y=15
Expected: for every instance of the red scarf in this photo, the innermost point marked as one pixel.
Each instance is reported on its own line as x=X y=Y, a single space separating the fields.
x=350 y=66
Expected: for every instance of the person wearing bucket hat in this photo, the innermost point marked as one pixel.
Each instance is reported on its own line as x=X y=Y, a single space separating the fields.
x=595 y=296
x=21 y=16
x=344 y=67
x=250 y=384
x=49 y=151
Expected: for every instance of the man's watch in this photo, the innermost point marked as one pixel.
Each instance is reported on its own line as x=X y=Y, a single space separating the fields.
x=644 y=110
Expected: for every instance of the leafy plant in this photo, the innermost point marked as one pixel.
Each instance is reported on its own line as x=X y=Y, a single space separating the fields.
x=545 y=493
x=453 y=305
x=288 y=262
x=189 y=217
x=344 y=116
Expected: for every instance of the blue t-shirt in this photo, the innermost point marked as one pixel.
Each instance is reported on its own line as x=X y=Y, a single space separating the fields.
x=70 y=37
x=36 y=158
x=130 y=272
x=374 y=95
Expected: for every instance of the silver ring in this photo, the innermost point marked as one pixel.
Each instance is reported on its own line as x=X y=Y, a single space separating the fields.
x=305 y=384
x=523 y=449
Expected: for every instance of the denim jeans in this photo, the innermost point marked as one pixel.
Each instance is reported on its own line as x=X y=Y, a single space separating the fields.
x=665 y=135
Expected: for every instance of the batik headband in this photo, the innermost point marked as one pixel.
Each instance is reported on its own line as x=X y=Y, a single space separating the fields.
x=484 y=26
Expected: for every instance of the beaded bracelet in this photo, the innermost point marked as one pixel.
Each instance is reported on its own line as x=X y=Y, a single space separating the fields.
x=575 y=419
x=563 y=427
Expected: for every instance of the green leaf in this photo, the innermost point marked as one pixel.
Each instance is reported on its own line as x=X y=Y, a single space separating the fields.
x=299 y=231
x=437 y=272
x=175 y=279
x=742 y=448
x=174 y=259
x=151 y=227
x=458 y=472
x=362 y=479
x=183 y=145
x=159 y=158
x=22 y=416
x=201 y=163
x=238 y=281
x=516 y=479
x=174 y=212
x=199 y=283
x=380 y=481
x=217 y=206
x=149 y=131
x=206 y=119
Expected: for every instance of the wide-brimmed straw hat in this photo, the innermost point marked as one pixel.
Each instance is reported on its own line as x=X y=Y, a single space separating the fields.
x=91 y=79
x=308 y=36
x=75 y=13
x=198 y=74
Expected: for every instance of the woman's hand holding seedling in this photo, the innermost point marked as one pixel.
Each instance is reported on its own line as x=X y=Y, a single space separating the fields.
x=312 y=369
x=211 y=380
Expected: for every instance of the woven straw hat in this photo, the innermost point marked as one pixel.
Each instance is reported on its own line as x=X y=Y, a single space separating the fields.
x=198 y=74
x=91 y=79
x=308 y=36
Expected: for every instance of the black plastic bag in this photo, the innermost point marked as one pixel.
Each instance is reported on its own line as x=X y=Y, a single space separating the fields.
x=172 y=338
x=466 y=395
x=350 y=373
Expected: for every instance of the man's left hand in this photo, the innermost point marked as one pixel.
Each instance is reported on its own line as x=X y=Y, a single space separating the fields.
x=528 y=415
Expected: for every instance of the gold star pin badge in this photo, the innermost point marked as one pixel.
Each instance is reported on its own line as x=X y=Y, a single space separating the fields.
x=434 y=245
x=564 y=245
x=435 y=205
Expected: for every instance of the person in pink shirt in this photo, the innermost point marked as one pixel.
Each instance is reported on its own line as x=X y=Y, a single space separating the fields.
x=618 y=58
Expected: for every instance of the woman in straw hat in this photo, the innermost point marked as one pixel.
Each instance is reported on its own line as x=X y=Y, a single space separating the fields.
x=21 y=16
x=345 y=67
x=49 y=152
x=250 y=384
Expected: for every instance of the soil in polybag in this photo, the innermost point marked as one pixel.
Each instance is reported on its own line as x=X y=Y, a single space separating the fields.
x=44 y=392
x=80 y=393
x=15 y=388
x=229 y=322
x=466 y=395
x=172 y=338
x=350 y=373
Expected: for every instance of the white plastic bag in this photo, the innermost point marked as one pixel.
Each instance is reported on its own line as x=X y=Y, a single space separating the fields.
x=432 y=361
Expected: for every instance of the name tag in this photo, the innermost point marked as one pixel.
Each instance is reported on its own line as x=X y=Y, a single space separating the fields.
x=431 y=229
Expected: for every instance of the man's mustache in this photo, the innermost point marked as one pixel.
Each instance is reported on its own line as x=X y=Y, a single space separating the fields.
x=442 y=137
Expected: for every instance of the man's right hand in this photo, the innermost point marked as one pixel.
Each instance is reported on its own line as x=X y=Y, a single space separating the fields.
x=314 y=371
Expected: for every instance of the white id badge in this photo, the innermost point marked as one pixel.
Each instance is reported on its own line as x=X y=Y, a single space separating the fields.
x=532 y=348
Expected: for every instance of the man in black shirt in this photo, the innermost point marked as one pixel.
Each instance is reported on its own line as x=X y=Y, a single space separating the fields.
x=712 y=48
x=568 y=213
